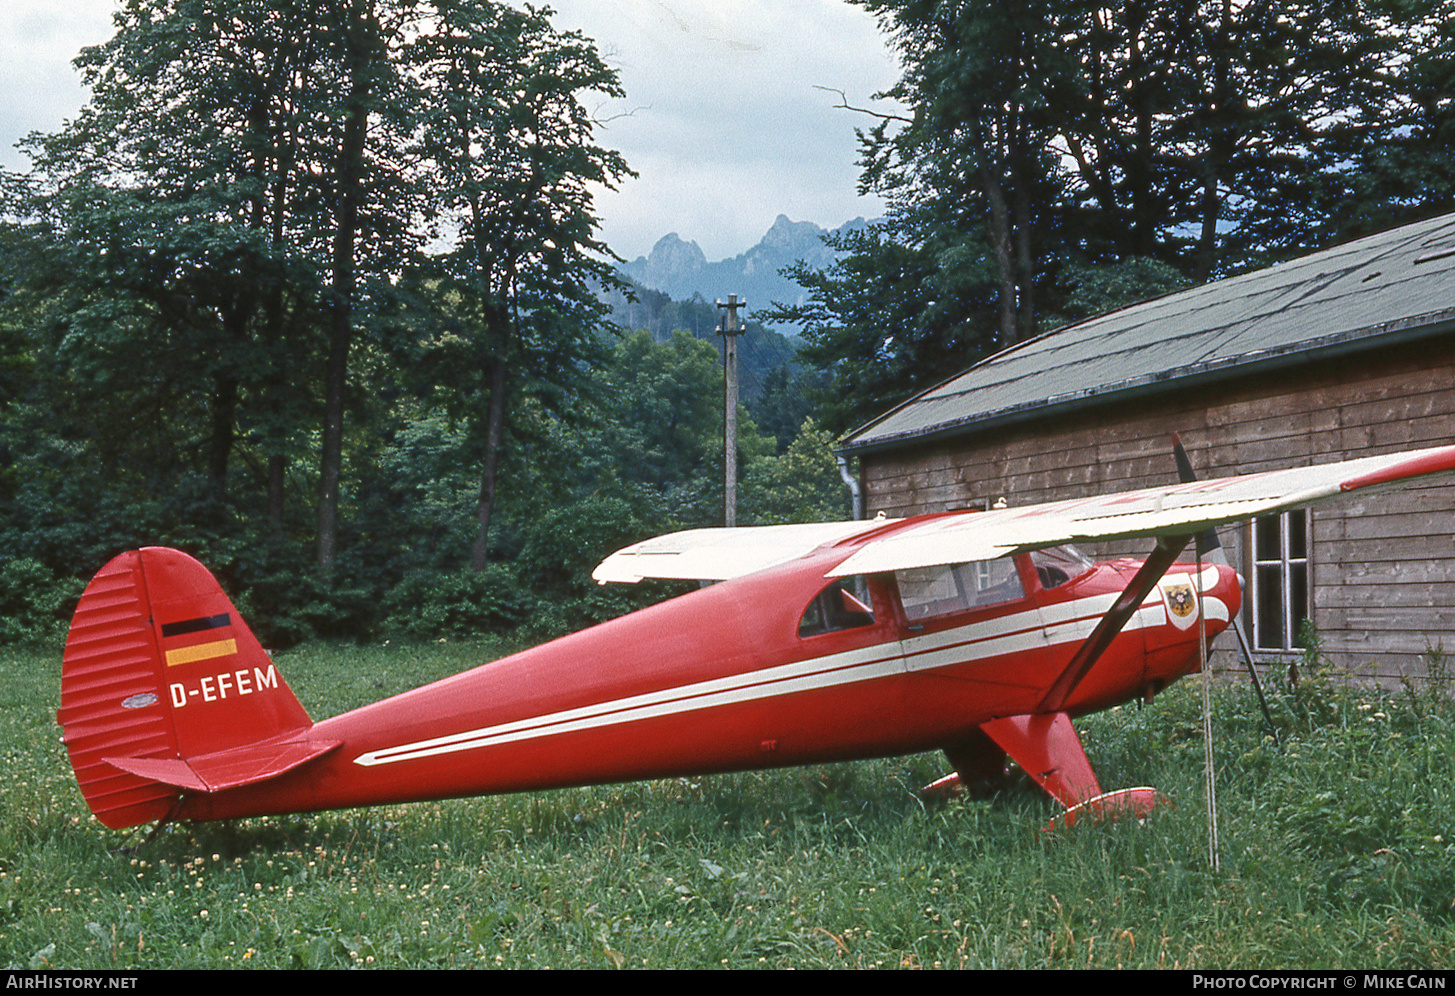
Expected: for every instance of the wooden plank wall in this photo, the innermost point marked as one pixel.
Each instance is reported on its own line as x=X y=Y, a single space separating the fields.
x=1383 y=566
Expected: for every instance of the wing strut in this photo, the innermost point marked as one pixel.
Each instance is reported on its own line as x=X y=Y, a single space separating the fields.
x=1044 y=743
x=1166 y=553
x=1209 y=546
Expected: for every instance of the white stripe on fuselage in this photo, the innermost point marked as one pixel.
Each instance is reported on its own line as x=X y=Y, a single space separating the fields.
x=1054 y=624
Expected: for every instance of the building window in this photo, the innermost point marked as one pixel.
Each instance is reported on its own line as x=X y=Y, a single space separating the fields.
x=1280 y=579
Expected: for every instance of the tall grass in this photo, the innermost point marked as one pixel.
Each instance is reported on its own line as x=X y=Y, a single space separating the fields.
x=1337 y=830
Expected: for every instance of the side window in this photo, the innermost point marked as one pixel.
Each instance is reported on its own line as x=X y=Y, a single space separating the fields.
x=845 y=604
x=926 y=592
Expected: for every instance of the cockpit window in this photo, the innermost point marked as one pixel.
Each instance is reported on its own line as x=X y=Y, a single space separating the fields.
x=845 y=604
x=1059 y=564
x=937 y=591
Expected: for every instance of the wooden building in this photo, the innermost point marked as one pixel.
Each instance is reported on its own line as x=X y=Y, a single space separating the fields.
x=1344 y=353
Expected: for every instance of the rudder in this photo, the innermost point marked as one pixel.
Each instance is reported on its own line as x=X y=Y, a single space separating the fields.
x=165 y=688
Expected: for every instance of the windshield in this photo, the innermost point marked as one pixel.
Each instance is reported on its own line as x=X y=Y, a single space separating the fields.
x=1058 y=564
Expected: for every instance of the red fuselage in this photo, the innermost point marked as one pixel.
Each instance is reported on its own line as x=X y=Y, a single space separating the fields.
x=730 y=678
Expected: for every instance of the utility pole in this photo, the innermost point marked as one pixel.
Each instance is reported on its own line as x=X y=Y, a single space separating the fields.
x=729 y=330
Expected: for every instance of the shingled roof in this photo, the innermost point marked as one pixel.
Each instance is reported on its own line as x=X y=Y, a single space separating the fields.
x=1385 y=289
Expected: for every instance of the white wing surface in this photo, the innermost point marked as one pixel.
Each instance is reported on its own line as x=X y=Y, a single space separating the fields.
x=720 y=554
x=1182 y=509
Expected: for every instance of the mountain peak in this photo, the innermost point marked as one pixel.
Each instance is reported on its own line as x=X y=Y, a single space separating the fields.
x=671 y=249
x=672 y=261
x=792 y=235
x=679 y=268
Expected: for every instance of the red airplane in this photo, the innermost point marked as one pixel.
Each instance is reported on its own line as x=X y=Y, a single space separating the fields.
x=978 y=633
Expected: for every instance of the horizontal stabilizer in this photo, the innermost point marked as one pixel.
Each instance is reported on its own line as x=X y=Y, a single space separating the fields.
x=226 y=769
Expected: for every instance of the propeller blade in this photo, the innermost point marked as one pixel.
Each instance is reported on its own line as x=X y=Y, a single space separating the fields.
x=1210 y=548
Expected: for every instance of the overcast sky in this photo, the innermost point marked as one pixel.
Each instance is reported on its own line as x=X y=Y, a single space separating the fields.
x=722 y=121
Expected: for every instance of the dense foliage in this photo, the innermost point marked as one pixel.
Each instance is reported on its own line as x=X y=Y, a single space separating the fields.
x=1046 y=161
x=314 y=292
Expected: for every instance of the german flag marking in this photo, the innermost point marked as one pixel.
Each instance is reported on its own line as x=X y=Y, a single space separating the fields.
x=200 y=625
x=201 y=652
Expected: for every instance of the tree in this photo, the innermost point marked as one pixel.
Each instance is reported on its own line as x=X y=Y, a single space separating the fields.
x=159 y=234
x=802 y=484
x=649 y=436
x=508 y=143
x=1389 y=161
x=1054 y=160
x=971 y=173
x=206 y=267
x=201 y=198
x=886 y=319
x=243 y=195
x=787 y=398
x=664 y=406
x=369 y=194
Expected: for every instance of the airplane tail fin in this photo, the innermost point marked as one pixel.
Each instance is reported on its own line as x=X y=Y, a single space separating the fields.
x=164 y=690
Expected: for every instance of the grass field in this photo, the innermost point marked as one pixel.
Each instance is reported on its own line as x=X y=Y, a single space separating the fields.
x=1337 y=850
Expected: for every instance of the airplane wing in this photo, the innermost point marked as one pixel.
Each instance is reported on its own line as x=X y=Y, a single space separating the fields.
x=720 y=554
x=1175 y=510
